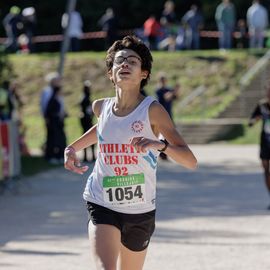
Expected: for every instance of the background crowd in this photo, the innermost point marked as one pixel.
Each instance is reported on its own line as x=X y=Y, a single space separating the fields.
x=163 y=30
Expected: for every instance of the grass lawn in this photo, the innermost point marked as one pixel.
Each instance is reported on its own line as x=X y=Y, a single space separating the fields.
x=35 y=164
x=251 y=135
x=219 y=73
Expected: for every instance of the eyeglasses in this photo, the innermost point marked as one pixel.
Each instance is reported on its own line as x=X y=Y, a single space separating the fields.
x=131 y=60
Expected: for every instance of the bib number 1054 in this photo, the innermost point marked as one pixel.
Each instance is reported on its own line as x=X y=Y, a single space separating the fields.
x=127 y=193
x=124 y=190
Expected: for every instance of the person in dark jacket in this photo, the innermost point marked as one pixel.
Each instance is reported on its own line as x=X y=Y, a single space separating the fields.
x=193 y=20
x=86 y=117
x=13 y=25
x=108 y=22
x=56 y=138
x=262 y=112
x=166 y=96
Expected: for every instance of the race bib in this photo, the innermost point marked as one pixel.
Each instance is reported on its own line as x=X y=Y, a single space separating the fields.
x=124 y=190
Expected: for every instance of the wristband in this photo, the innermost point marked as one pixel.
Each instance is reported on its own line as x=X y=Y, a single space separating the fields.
x=165 y=146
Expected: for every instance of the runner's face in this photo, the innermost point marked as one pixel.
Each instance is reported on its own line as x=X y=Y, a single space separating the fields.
x=126 y=68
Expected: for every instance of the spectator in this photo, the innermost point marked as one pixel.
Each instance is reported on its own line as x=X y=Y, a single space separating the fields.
x=56 y=138
x=108 y=23
x=262 y=113
x=169 y=23
x=152 y=30
x=168 y=18
x=86 y=117
x=74 y=30
x=193 y=20
x=17 y=104
x=257 y=21
x=23 y=43
x=241 y=34
x=225 y=19
x=166 y=96
x=29 y=25
x=13 y=25
x=181 y=42
x=54 y=81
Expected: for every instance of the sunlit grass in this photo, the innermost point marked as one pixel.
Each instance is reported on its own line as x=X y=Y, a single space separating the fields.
x=219 y=73
x=36 y=133
x=32 y=165
x=251 y=135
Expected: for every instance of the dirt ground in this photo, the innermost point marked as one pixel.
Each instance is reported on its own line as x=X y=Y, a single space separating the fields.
x=214 y=218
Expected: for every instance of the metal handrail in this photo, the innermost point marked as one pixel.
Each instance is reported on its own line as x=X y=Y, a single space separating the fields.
x=195 y=93
x=244 y=81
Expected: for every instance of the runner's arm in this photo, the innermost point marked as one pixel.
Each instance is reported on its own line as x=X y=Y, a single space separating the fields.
x=72 y=162
x=255 y=116
x=177 y=149
x=90 y=137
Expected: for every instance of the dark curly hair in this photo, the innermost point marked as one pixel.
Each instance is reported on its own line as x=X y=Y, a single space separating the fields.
x=136 y=45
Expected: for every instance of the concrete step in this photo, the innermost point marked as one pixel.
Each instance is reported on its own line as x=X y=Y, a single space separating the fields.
x=243 y=105
x=231 y=120
x=209 y=130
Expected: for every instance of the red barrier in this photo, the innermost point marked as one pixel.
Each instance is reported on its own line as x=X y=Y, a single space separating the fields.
x=10 y=160
x=5 y=149
x=1 y=159
x=57 y=38
x=102 y=34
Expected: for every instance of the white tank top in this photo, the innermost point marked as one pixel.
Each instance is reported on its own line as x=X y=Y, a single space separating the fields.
x=123 y=179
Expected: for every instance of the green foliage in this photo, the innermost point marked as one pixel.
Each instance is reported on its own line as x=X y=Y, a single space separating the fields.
x=6 y=71
x=251 y=135
x=35 y=164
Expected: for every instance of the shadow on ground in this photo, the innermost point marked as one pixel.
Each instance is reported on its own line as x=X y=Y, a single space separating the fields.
x=48 y=207
x=218 y=191
x=52 y=206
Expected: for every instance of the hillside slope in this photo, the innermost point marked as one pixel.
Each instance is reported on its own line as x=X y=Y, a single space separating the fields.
x=219 y=73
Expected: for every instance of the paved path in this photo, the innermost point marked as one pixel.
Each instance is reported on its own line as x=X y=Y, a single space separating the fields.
x=210 y=219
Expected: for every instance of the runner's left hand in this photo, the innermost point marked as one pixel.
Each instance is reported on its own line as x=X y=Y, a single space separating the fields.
x=143 y=144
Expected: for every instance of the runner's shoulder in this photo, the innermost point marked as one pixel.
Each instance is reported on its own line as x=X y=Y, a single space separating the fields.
x=97 y=105
x=156 y=108
x=157 y=112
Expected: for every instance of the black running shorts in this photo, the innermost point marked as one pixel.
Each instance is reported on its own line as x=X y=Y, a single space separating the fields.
x=265 y=150
x=136 y=229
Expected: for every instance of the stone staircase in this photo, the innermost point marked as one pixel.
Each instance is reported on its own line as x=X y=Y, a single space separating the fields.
x=230 y=121
x=210 y=130
x=245 y=103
